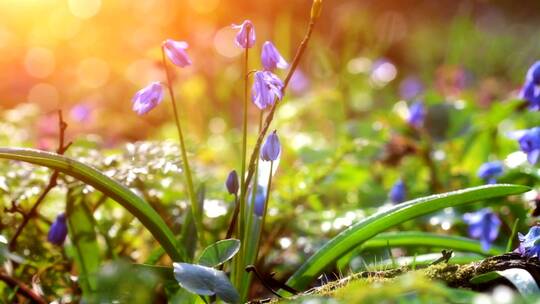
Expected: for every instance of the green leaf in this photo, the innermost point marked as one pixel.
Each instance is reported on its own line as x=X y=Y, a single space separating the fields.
x=189 y=236
x=521 y=278
x=205 y=281
x=426 y=239
x=83 y=238
x=219 y=252
x=369 y=227
x=116 y=191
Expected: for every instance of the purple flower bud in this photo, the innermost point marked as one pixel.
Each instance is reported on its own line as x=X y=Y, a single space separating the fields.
x=267 y=87
x=271 y=58
x=81 y=112
x=271 y=148
x=176 y=52
x=58 y=231
x=398 y=193
x=483 y=225
x=417 y=114
x=258 y=203
x=232 y=182
x=147 y=98
x=530 y=243
x=243 y=39
x=490 y=171
x=529 y=143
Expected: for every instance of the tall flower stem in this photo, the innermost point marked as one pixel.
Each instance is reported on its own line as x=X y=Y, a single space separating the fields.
x=195 y=208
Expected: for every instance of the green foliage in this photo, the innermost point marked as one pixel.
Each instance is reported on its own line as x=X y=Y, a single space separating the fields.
x=219 y=252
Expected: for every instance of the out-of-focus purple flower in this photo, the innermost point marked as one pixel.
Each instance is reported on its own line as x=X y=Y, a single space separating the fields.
x=417 y=114
x=490 y=171
x=81 y=112
x=483 y=225
x=243 y=39
x=58 y=231
x=271 y=148
x=531 y=89
x=176 y=52
x=530 y=243
x=271 y=58
x=267 y=87
x=147 y=98
x=299 y=82
x=260 y=199
x=410 y=87
x=232 y=182
x=529 y=142
x=398 y=193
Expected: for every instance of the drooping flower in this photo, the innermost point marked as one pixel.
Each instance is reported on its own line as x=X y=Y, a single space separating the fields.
x=267 y=87
x=529 y=142
x=271 y=148
x=531 y=89
x=232 y=182
x=176 y=52
x=530 y=243
x=147 y=98
x=410 y=87
x=58 y=231
x=243 y=39
x=490 y=171
x=398 y=193
x=271 y=58
x=483 y=225
x=417 y=114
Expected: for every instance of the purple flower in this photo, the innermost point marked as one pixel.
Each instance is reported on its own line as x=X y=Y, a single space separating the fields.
x=529 y=142
x=483 y=225
x=232 y=182
x=299 y=82
x=147 y=98
x=398 y=193
x=490 y=171
x=58 y=231
x=531 y=89
x=271 y=148
x=176 y=52
x=417 y=114
x=267 y=87
x=243 y=39
x=410 y=87
x=81 y=112
x=260 y=199
x=271 y=58
x=530 y=243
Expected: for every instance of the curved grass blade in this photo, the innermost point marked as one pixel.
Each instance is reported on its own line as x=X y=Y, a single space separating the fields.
x=426 y=239
x=360 y=232
x=116 y=191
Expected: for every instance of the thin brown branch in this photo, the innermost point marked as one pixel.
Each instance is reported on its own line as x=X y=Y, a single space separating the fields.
x=22 y=288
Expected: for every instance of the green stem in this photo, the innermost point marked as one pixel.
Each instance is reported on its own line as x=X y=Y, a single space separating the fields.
x=191 y=190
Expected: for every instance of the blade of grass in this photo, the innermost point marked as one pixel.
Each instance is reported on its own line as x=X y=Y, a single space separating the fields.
x=360 y=232
x=116 y=191
x=512 y=236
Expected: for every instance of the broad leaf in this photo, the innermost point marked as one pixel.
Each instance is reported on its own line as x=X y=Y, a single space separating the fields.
x=205 y=281
x=219 y=252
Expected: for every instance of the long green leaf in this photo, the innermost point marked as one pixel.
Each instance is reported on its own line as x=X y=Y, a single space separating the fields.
x=360 y=232
x=116 y=191
x=416 y=238
x=83 y=238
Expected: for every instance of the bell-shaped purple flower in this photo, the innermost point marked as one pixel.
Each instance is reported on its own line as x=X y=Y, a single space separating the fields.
x=529 y=142
x=271 y=58
x=246 y=34
x=147 y=98
x=267 y=87
x=417 y=114
x=531 y=89
x=530 y=243
x=271 y=148
x=398 y=193
x=490 y=171
x=58 y=231
x=232 y=182
x=483 y=225
x=176 y=52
